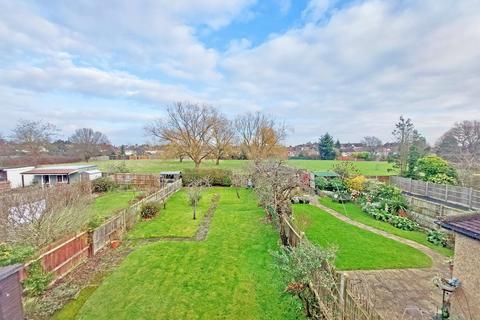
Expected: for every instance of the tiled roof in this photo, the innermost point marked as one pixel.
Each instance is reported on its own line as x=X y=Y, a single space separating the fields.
x=468 y=225
x=50 y=171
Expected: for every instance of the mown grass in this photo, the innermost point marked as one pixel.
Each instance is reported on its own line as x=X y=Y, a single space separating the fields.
x=354 y=212
x=176 y=220
x=230 y=275
x=369 y=168
x=357 y=249
x=107 y=204
x=70 y=310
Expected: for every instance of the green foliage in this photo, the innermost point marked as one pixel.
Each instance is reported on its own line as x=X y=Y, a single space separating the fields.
x=345 y=169
x=298 y=264
x=435 y=169
x=403 y=223
x=216 y=177
x=363 y=155
x=149 y=210
x=118 y=167
x=438 y=238
x=14 y=254
x=326 y=147
x=103 y=184
x=37 y=280
x=321 y=183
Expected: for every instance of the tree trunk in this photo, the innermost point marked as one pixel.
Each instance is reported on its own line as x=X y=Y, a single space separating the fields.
x=195 y=212
x=197 y=164
x=181 y=159
x=218 y=161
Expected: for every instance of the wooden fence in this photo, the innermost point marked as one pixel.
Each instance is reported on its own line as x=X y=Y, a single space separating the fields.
x=466 y=197
x=142 y=181
x=63 y=257
x=337 y=298
x=114 y=228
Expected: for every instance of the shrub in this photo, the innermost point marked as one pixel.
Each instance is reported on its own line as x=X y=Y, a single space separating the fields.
x=104 y=184
x=120 y=167
x=149 y=210
x=37 y=280
x=14 y=254
x=217 y=177
x=321 y=183
x=403 y=223
x=438 y=238
x=356 y=184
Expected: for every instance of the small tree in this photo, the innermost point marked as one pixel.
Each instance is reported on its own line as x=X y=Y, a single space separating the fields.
x=223 y=135
x=435 y=169
x=372 y=143
x=33 y=137
x=194 y=191
x=326 y=148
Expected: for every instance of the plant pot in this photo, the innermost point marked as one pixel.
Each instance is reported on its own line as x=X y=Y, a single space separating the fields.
x=115 y=244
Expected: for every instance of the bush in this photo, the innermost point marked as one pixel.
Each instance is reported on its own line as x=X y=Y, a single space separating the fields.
x=438 y=238
x=403 y=223
x=356 y=184
x=14 y=254
x=149 y=210
x=37 y=280
x=217 y=177
x=104 y=184
x=321 y=183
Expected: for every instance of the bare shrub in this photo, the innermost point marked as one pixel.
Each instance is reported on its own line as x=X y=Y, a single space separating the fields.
x=39 y=216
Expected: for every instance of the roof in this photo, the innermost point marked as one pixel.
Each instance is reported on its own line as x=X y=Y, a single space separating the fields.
x=467 y=225
x=170 y=172
x=9 y=270
x=93 y=171
x=50 y=171
x=325 y=174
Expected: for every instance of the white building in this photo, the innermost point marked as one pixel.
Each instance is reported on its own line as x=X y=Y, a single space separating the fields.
x=15 y=177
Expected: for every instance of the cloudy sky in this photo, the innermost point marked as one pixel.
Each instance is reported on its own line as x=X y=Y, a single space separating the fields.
x=347 y=67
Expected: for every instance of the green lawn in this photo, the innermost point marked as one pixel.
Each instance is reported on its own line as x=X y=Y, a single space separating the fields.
x=354 y=212
x=107 y=204
x=369 y=168
x=230 y=275
x=176 y=220
x=357 y=249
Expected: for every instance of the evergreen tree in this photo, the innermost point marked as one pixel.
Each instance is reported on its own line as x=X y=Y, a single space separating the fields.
x=326 y=147
x=338 y=145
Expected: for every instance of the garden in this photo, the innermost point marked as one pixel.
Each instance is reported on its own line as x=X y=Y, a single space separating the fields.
x=378 y=205
x=229 y=275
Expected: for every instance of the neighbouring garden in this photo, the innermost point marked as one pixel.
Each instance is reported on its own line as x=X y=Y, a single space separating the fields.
x=356 y=248
x=229 y=275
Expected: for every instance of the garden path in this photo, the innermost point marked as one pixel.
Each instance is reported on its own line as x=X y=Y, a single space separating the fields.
x=400 y=293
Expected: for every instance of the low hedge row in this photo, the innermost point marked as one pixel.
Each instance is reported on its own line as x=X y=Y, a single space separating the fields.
x=217 y=177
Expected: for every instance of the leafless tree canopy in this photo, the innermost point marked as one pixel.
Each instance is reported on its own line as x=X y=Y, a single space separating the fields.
x=188 y=128
x=372 y=143
x=38 y=216
x=260 y=136
x=87 y=143
x=223 y=135
x=33 y=136
x=461 y=146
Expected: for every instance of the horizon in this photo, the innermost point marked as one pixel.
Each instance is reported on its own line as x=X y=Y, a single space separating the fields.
x=311 y=64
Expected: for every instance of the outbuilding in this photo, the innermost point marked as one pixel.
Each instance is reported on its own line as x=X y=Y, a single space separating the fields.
x=465 y=301
x=13 y=176
x=51 y=175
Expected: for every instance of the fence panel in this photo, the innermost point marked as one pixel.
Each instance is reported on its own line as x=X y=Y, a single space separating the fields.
x=466 y=197
x=114 y=228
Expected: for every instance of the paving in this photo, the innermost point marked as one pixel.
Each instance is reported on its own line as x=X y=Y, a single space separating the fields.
x=400 y=293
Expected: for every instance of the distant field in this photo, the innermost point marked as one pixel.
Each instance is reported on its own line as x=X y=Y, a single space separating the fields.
x=369 y=168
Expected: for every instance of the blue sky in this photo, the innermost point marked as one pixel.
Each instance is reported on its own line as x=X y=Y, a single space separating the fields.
x=347 y=67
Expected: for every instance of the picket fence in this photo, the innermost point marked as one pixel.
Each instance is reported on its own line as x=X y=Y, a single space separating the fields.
x=66 y=255
x=466 y=197
x=341 y=300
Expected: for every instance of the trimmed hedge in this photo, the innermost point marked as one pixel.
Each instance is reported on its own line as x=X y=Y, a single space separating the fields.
x=217 y=177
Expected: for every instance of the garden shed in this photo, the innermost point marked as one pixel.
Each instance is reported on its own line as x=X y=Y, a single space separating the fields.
x=465 y=300
x=11 y=293
x=170 y=176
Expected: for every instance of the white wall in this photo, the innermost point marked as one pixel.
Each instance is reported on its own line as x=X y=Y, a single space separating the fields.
x=15 y=177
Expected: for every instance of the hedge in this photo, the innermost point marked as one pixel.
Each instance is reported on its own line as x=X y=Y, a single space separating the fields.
x=218 y=177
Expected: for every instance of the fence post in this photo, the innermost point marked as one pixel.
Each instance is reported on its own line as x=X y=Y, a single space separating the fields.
x=343 y=293
x=426 y=189
x=411 y=182
x=446 y=192
x=470 y=194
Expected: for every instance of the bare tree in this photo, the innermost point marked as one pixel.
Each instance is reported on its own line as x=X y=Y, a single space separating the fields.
x=461 y=146
x=188 y=128
x=222 y=137
x=194 y=191
x=33 y=136
x=260 y=135
x=372 y=143
x=39 y=216
x=87 y=142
